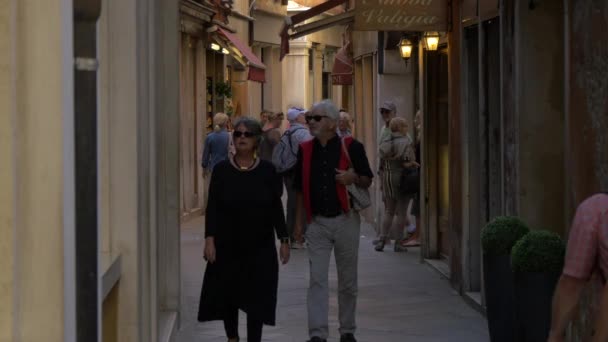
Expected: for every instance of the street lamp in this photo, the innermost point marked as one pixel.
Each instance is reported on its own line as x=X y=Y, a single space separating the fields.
x=405 y=48
x=432 y=40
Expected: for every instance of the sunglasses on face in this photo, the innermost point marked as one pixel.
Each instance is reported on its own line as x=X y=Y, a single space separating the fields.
x=317 y=118
x=246 y=134
x=384 y=111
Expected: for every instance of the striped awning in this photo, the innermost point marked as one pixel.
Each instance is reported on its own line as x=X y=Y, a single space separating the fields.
x=244 y=55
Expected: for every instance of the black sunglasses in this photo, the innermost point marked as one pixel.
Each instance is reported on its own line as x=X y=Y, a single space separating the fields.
x=317 y=118
x=382 y=110
x=238 y=134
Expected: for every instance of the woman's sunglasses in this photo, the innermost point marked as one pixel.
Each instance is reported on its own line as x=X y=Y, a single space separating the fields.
x=317 y=118
x=238 y=134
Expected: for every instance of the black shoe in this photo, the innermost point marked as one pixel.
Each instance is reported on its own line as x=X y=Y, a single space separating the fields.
x=317 y=339
x=348 y=338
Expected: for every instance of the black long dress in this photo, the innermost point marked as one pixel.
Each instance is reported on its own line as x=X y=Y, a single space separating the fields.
x=243 y=213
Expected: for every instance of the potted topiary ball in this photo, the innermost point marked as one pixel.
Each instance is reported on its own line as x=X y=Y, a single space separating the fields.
x=537 y=261
x=497 y=238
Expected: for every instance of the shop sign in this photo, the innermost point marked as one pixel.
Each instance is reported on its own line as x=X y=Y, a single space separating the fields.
x=401 y=15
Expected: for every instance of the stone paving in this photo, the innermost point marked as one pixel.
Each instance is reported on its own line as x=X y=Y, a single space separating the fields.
x=400 y=299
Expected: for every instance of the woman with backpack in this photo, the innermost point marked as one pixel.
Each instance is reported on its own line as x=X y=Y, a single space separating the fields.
x=284 y=158
x=271 y=135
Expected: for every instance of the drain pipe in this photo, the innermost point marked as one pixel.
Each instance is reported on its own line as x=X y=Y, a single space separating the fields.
x=86 y=14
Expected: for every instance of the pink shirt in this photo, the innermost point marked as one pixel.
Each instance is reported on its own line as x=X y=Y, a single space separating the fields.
x=588 y=243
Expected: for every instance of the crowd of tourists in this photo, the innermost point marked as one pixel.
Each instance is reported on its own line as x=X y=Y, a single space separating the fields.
x=326 y=175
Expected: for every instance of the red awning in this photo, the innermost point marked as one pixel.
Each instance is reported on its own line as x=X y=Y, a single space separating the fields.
x=256 y=67
x=301 y=17
x=342 y=72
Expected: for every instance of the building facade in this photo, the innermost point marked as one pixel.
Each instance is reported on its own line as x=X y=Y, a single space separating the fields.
x=90 y=207
x=510 y=121
x=219 y=72
x=198 y=70
x=515 y=76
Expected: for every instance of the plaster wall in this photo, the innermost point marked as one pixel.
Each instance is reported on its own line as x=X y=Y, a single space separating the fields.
x=255 y=91
x=37 y=166
x=36 y=171
x=364 y=42
x=273 y=88
x=118 y=74
x=541 y=116
x=266 y=28
x=397 y=85
x=296 y=75
x=139 y=156
x=241 y=6
x=331 y=36
x=7 y=172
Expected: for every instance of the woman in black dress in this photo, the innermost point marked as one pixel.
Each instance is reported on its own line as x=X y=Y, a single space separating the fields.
x=243 y=214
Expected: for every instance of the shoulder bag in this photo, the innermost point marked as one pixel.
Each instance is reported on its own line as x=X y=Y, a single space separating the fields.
x=359 y=196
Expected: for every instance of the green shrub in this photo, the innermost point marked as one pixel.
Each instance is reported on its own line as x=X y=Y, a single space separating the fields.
x=223 y=89
x=540 y=251
x=499 y=235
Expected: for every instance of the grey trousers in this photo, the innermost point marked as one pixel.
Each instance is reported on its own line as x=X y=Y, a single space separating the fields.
x=342 y=235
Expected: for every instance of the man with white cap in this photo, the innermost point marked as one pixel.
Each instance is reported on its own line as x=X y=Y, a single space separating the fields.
x=284 y=158
x=388 y=110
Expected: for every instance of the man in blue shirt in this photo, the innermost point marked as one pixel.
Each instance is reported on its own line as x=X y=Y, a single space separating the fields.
x=215 y=149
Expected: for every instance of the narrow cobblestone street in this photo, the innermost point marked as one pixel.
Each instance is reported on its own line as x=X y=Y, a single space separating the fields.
x=400 y=299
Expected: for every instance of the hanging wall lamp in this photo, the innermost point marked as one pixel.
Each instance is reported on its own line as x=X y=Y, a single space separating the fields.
x=431 y=40
x=405 y=48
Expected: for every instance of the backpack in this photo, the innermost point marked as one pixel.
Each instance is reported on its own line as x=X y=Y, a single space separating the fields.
x=284 y=157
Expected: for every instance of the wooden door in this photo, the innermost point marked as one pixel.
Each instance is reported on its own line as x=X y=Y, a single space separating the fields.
x=491 y=121
x=191 y=199
x=438 y=134
x=443 y=154
x=472 y=168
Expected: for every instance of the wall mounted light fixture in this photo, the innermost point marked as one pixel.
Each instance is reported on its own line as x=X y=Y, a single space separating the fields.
x=225 y=51
x=431 y=40
x=405 y=48
x=215 y=47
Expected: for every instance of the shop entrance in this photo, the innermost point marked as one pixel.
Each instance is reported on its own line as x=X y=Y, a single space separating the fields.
x=191 y=129
x=438 y=151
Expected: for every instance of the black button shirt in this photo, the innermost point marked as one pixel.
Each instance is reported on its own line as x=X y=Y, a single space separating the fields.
x=325 y=159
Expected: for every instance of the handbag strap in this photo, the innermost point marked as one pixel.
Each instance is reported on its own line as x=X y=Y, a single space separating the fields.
x=345 y=150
